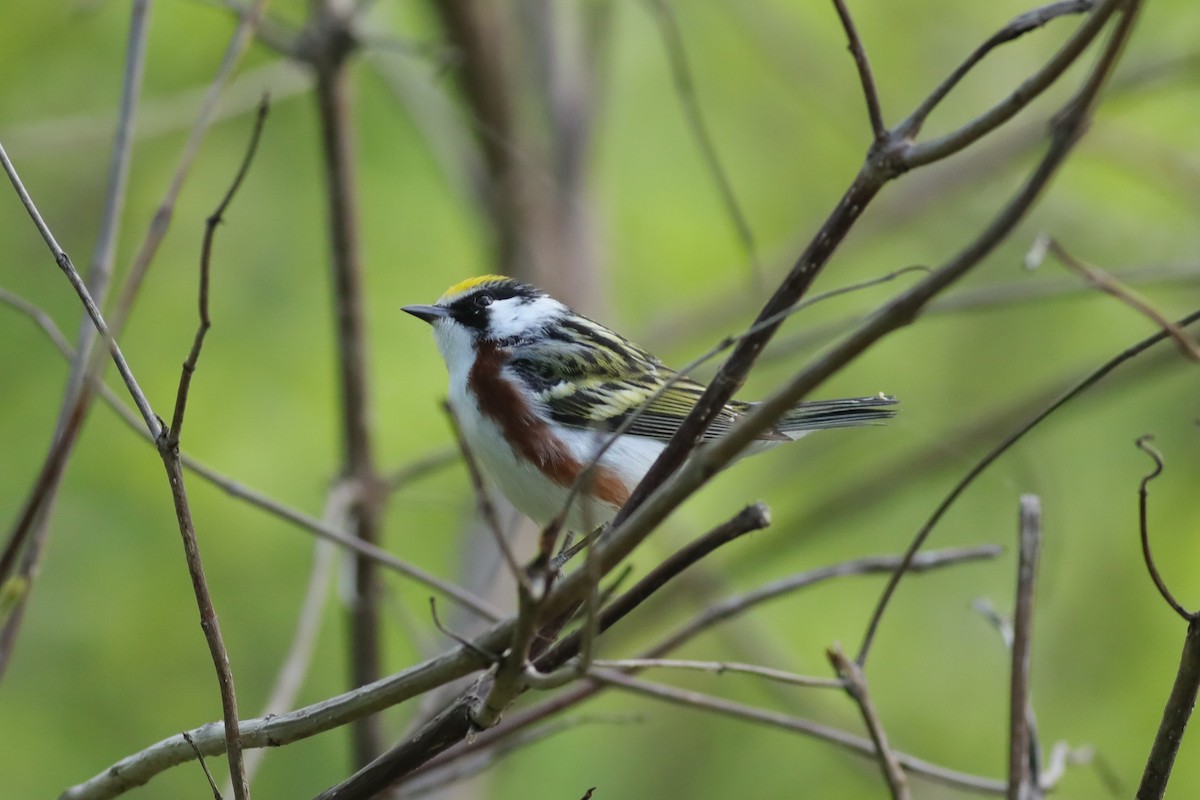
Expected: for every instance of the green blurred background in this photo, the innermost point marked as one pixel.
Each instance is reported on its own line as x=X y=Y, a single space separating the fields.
x=111 y=658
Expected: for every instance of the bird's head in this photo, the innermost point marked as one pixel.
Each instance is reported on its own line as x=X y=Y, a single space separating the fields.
x=488 y=309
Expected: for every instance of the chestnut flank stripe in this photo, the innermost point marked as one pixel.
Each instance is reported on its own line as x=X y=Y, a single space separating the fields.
x=529 y=435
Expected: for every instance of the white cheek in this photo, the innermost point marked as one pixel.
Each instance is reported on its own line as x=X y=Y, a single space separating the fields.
x=518 y=316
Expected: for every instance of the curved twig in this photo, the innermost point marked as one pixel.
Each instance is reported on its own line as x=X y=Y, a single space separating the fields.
x=1143 y=444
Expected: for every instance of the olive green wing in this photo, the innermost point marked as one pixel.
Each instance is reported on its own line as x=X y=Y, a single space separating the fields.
x=592 y=379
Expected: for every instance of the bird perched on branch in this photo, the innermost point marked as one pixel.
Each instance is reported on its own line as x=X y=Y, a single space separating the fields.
x=538 y=389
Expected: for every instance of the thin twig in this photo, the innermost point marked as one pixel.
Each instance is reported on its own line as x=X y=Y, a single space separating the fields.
x=1023 y=781
x=721 y=612
x=720 y=668
x=846 y=741
x=210 y=230
x=1017 y=27
x=1109 y=284
x=1041 y=778
x=1001 y=448
x=969 y=133
x=985 y=297
x=485 y=656
x=1143 y=444
x=855 y=682
x=212 y=784
x=168 y=448
x=100 y=270
x=865 y=76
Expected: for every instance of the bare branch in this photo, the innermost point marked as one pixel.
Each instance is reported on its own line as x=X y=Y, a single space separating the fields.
x=865 y=76
x=846 y=741
x=721 y=612
x=1176 y=714
x=856 y=686
x=210 y=229
x=327 y=45
x=100 y=270
x=635 y=521
x=1019 y=26
x=33 y=539
x=1031 y=88
x=720 y=668
x=72 y=417
x=1023 y=780
x=168 y=448
x=883 y=163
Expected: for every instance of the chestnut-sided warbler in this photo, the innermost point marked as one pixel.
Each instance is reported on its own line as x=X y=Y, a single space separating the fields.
x=536 y=389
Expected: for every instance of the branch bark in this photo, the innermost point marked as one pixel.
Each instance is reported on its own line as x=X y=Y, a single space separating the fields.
x=330 y=41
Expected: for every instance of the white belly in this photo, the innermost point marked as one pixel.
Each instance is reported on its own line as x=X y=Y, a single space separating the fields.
x=532 y=492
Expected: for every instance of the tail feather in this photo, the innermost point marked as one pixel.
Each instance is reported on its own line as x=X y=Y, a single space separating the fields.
x=844 y=413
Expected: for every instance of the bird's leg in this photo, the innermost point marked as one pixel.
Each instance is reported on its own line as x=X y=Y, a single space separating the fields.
x=570 y=550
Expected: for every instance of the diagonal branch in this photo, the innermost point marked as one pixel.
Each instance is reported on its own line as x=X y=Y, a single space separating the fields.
x=884 y=162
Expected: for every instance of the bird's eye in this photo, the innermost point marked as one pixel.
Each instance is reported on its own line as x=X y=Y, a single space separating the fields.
x=483 y=300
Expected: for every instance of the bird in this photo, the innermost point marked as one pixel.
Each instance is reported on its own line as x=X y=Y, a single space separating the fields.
x=537 y=388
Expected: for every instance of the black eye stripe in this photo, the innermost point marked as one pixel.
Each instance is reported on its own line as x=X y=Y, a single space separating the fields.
x=471 y=310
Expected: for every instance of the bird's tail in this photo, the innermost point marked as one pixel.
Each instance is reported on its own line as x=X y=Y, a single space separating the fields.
x=845 y=413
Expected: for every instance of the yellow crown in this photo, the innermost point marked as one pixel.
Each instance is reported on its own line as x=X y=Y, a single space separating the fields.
x=471 y=283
